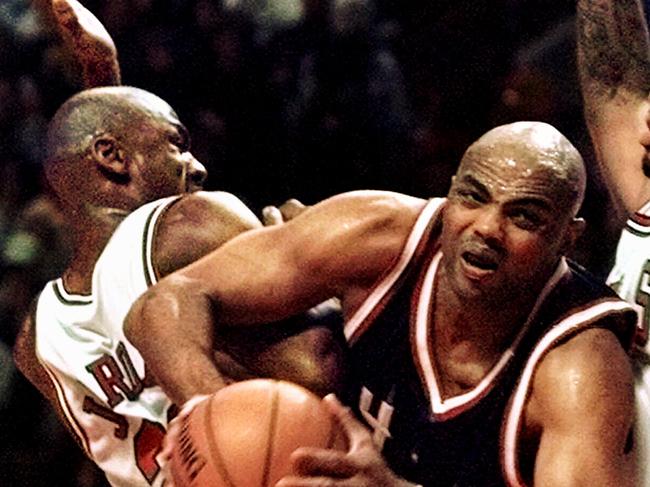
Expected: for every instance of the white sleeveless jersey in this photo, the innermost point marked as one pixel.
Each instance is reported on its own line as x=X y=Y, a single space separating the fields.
x=98 y=375
x=630 y=279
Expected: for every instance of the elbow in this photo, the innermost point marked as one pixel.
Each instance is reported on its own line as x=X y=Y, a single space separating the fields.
x=158 y=319
x=143 y=323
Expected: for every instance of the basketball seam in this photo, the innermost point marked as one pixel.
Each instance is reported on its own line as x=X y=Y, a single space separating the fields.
x=213 y=448
x=272 y=431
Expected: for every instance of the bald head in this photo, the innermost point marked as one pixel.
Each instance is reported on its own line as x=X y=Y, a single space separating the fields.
x=118 y=112
x=529 y=149
x=100 y=110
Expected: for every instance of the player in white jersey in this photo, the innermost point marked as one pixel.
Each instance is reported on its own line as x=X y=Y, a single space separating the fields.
x=99 y=377
x=630 y=278
x=118 y=161
x=614 y=65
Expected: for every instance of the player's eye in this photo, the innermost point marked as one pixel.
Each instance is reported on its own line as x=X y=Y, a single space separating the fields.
x=470 y=196
x=181 y=139
x=180 y=143
x=526 y=219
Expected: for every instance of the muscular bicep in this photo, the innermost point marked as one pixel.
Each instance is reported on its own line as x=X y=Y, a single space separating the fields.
x=338 y=248
x=583 y=403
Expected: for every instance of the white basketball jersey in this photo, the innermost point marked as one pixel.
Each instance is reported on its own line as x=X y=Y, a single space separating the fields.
x=98 y=375
x=630 y=279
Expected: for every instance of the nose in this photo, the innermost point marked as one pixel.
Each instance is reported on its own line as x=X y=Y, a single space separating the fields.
x=645 y=142
x=196 y=174
x=645 y=133
x=489 y=224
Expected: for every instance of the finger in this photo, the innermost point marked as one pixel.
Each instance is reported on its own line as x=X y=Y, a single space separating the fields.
x=291 y=209
x=271 y=215
x=314 y=462
x=356 y=433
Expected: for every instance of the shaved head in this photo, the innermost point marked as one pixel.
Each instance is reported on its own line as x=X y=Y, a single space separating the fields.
x=119 y=112
x=107 y=109
x=528 y=148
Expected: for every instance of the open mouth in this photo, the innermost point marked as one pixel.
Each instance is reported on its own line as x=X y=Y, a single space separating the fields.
x=483 y=261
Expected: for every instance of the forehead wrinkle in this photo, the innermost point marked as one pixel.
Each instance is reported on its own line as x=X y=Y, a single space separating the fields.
x=496 y=177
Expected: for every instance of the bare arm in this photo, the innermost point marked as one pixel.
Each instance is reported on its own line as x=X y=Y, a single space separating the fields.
x=336 y=248
x=614 y=66
x=91 y=44
x=197 y=224
x=613 y=52
x=583 y=401
x=26 y=360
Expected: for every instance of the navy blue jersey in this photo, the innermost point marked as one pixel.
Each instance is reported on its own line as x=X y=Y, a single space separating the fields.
x=470 y=439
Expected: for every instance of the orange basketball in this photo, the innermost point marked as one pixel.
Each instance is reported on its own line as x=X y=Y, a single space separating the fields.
x=243 y=435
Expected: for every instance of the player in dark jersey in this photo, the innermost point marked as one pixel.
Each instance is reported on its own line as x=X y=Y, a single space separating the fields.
x=482 y=357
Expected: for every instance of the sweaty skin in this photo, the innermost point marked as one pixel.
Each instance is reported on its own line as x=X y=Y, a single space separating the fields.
x=509 y=218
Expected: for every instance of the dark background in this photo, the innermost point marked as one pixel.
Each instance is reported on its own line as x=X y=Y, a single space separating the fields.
x=381 y=96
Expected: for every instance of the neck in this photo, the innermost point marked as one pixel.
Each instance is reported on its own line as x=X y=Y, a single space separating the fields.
x=93 y=227
x=490 y=326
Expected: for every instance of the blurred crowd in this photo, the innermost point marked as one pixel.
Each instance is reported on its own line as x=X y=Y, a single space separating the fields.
x=283 y=98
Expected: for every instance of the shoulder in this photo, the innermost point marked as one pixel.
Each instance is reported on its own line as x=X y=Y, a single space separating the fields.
x=387 y=200
x=369 y=210
x=358 y=219
x=353 y=236
x=589 y=373
x=200 y=205
x=196 y=224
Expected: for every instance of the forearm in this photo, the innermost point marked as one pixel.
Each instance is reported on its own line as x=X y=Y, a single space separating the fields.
x=89 y=42
x=613 y=51
x=172 y=327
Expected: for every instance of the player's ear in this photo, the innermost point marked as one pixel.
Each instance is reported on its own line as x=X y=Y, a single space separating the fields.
x=108 y=156
x=575 y=230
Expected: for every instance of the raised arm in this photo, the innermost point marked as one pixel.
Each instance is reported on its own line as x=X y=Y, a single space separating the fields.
x=614 y=66
x=90 y=43
x=613 y=50
x=336 y=248
x=583 y=402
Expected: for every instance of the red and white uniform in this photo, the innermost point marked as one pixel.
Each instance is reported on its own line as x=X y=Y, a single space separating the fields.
x=630 y=278
x=99 y=376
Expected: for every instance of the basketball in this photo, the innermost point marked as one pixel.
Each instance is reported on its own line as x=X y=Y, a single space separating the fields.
x=244 y=434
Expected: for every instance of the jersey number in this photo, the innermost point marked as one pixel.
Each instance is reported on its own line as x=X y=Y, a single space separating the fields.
x=118 y=380
x=379 y=423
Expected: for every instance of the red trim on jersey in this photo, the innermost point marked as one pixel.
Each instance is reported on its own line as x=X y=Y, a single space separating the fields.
x=565 y=328
x=640 y=219
x=388 y=284
x=71 y=420
x=432 y=260
x=424 y=357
